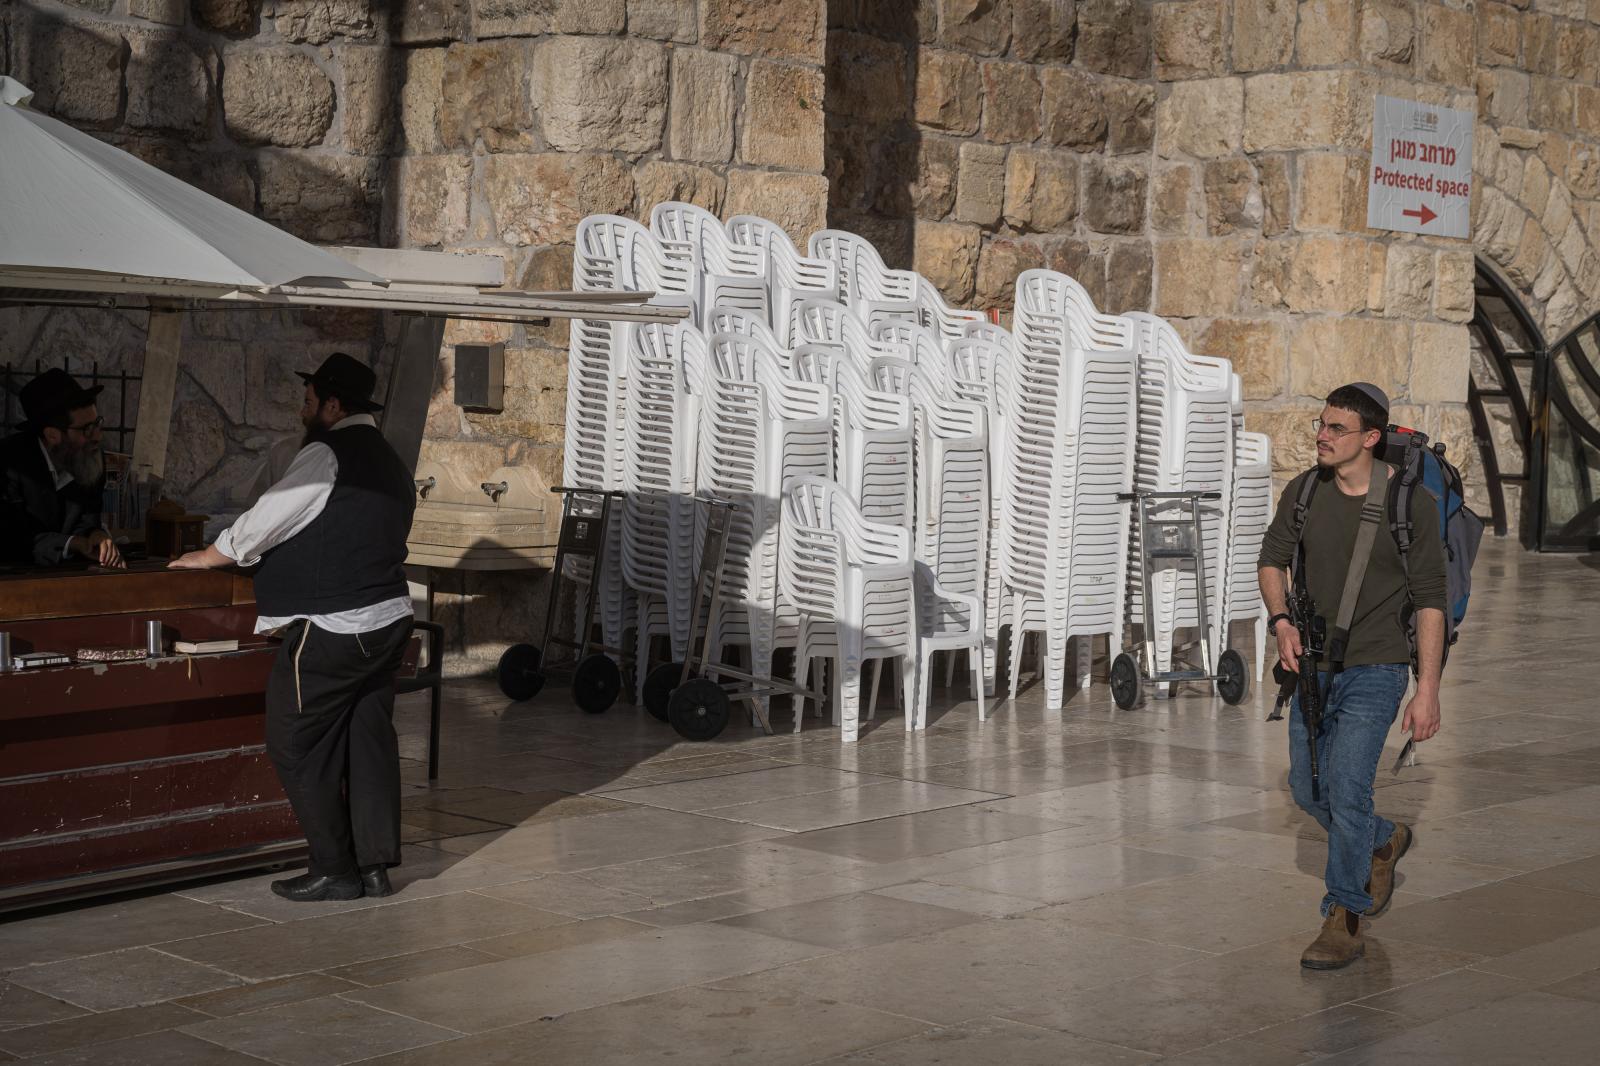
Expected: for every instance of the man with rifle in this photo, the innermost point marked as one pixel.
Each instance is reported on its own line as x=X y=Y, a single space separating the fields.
x=1342 y=632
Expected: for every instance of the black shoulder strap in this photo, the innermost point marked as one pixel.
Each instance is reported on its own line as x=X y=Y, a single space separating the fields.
x=1360 y=556
x=1410 y=472
x=1302 y=510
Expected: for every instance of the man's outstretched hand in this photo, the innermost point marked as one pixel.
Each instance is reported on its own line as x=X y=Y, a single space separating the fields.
x=207 y=558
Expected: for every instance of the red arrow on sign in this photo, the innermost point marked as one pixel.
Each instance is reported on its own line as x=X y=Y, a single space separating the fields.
x=1421 y=214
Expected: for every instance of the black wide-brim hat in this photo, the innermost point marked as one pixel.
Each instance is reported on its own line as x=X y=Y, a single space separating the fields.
x=52 y=394
x=347 y=378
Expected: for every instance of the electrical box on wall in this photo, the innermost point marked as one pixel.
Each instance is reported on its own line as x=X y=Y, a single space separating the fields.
x=480 y=376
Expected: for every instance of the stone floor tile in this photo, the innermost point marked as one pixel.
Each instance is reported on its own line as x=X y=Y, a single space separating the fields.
x=1239 y=1052
x=1532 y=1027
x=1584 y=986
x=717 y=871
x=689 y=912
x=152 y=1049
x=995 y=1040
x=926 y=833
x=318 y=1032
x=571 y=895
x=111 y=926
x=556 y=937
x=699 y=1025
x=119 y=979
x=776 y=783
x=94 y=1029
x=515 y=808
x=1335 y=1029
x=822 y=810
x=1519 y=840
x=415 y=964
x=1447 y=994
x=1495 y=919
x=955 y=897
x=846 y=922
x=263 y=994
x=1581 y=875
x=589 y=975
x=21 y=1006
x=1074 y=874
x=1549 y=960
x=1158 y=798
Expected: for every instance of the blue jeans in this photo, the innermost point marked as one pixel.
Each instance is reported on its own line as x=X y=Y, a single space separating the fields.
x=1357 y=714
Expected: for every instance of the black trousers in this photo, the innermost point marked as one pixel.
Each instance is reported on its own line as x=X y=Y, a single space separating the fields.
x=330 y=733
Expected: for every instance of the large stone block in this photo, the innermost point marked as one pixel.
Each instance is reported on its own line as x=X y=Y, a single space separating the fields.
x=1440 y=363
x=869 y=78
x=783 y=118
x=1259 y=350
x=533 y=18
x=1449 y=45
x=421 y=86
x=998 y=266
x=1499 y=35
x=75 y=71
x=236 y=17
x=1408 y=281
x=1074 y=111
x=428 y=21
x=1041 y=189
x=1011 y=96
x=1114 y=194
x=166 y=12
x=275 y=96
x=657 y=182
x=320 y=21
x=1233 y=197
x=1130 y=116
x=221 y=174
x=603 y=93
x=664 y=20
x=1084 y=261
x=1274 y=171
x=982 y=26
x=782 y=29
x=485 y=93
x=703 y=105
x=1197 y=278
x=1329 y=274
x=172 y=86
x=1189 y=40
x=797 y=202
x=540 y=199
x=1578 y=52
x=1114 y=37
x=949 y=92
x=1204 y=119
x=1044 y=30
x=1503 y=96
x=1332 y=192
x=1583 y=172
x=1174 y=207
x=981 y=192
x=1588 y=110
x=1308 y=109
x=1388 y=33
x=1551 y=105
x=1327 y=33
x=1294 y=445
x=366 y=120
x=933 y=188
x=434 y=194
x=1454 y=275
x=1325 y=353
x=1539 y=44
x=325 y=199
x=1129 y=276
x=1263 y=33
x=946 y=253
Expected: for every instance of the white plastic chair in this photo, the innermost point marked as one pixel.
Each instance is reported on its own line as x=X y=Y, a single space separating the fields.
x=728 y=274
x=791 y=277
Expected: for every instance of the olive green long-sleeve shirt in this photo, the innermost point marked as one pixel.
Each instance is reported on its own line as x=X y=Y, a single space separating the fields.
x=1378 y=633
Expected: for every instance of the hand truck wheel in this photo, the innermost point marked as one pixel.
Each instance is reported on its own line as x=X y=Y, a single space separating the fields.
x=658 y=686
x=596 y=683
x=1233 y=680
x=520 y=673
x=1125 y=682
x=698 y=709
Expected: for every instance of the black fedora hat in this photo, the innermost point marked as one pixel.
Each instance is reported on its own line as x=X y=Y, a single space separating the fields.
x=52 y=394
x=347 y=378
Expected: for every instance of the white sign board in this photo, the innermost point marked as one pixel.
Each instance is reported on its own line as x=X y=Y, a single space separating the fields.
x=1421 y=175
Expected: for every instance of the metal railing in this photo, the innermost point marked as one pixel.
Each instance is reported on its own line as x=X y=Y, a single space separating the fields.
x=13 y=378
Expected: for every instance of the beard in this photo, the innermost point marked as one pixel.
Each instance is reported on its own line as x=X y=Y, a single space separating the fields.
x=315 y=431
x=86 y=465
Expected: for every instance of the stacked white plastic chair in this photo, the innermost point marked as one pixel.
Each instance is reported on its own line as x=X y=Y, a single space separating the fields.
x=852 y=582
x=666 y=373
x=1185 y=445
x=865 y=281
x=1248 y=517
x=874 y=450
x=829 y=322
x=611 y=254
x=742 y=323
x=727 y=273
x=791 y=277
x=1069 y=452
x=758 y=427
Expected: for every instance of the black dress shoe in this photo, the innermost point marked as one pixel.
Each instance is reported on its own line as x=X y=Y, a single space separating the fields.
x=314 y=888
x=375 y=881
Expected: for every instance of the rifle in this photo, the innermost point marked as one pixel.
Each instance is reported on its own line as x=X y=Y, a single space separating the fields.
x=1313 y=629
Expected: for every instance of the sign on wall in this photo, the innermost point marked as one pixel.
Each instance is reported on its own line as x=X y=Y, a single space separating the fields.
x=1421 y=175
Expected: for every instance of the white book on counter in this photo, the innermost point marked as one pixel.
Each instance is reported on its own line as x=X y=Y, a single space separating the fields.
x=203 y=647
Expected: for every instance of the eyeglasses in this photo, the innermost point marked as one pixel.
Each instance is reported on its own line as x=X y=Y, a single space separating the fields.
x=90 y=427
x=1334 y=431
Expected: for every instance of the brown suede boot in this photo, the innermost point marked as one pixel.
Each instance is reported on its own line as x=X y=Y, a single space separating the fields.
x=1384 y=861
x=1338 y=945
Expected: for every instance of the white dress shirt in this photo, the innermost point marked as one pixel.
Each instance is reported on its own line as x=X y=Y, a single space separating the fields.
x=287 y=508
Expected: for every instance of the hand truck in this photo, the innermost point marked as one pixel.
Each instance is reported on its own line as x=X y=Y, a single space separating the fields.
x=1180 y=539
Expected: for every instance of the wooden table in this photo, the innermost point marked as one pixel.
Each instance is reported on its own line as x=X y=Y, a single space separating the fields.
x=114 y=775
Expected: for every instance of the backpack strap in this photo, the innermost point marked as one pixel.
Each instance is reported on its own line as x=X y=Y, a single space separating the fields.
x=1360 y=556
x=1410 y=468
x=1302 y=510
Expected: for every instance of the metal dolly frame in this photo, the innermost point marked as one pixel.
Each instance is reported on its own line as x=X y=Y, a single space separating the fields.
x=692 y=695
x=597 y=677
x=1182 y=540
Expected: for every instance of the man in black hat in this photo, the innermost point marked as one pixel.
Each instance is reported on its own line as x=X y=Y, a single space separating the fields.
x=52 y=475
x=329 y=541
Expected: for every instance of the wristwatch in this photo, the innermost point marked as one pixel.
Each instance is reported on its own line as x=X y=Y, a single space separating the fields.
x=1272 y=623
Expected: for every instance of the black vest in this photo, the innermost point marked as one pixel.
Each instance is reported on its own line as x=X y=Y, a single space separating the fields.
x=353 y=553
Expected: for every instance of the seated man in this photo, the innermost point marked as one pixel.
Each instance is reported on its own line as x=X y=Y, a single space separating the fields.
x=52 y=475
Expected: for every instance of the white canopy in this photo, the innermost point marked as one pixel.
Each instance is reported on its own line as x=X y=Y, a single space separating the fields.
x=70 y=202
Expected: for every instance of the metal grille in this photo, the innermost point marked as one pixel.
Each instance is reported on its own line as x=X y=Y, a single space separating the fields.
x=13 y=378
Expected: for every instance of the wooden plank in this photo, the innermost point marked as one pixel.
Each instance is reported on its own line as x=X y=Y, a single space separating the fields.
x=418 y=266
x=159 y=382
x=143 y=587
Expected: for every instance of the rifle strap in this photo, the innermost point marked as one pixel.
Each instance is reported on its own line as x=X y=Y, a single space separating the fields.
x=1360 y=556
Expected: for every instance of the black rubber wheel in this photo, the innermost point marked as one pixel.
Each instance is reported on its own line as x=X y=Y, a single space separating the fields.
x=519 y=673
x=1125 y=684
x=658 y=686
x=698 y=709
x=1233 y=680
x=596 y=683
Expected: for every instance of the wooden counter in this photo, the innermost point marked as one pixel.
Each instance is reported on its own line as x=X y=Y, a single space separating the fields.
x=119 y=774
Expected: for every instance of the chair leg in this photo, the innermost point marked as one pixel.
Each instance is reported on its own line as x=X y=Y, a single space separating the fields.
x=433 y=730
x=872 y=688
x=914 y=689
x=924 y=669
x=974 y=667
x=849 y=688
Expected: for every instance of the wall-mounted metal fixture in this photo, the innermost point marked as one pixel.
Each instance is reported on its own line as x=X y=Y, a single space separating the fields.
x=423 y=485
x=494 y=489
x=480 y=376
